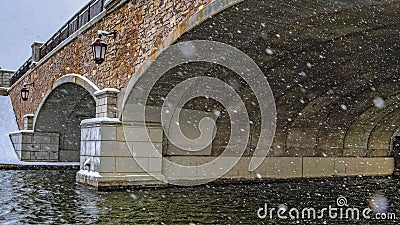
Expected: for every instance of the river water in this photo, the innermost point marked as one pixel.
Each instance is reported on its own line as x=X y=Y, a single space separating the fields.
x=53 y=197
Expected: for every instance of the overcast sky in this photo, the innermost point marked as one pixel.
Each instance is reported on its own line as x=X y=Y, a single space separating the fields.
x=23 y=22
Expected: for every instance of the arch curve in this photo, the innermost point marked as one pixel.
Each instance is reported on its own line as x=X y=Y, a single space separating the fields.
x=58 y=117
x=77 y=79
x=324 y=65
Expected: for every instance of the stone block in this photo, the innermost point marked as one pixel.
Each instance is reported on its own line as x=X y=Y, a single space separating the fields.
x=172 y=173
x=288 y=167
x=25 y=155
x=41 y=155
x=49 y=147
x=53 y=156
x=142 y=134
x=173 y=150
x=94 y=133
x=114 y=148
x=107 y=164
x=42 y=138
x=340 y=166
x=84 y=134
x=108 y=133
x=120 y=133
x=101 y=102
x=129 y=165
x=55 y=139
x=68 y=155
x=318 y=167
x=145 y=149
x=155 y=164
x=27 y=138
x=28 y=147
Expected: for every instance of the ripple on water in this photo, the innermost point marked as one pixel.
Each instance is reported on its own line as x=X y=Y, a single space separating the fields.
x=52 y=197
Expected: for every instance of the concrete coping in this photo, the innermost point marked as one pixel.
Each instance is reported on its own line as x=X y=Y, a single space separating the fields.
x=29 y=115
x=22 y=131
x=104 y=91
x=102 y=120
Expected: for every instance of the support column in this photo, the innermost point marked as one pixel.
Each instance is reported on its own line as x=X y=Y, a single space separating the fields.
x=107 y=159
x=28 y=121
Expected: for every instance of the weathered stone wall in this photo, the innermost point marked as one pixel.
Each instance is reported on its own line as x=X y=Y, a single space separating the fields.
x=31 y=146
x=5 y=76
x=141 y=27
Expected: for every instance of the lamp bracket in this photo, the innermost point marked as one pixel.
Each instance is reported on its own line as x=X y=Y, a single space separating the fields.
x=29 y=84
x=106 y=33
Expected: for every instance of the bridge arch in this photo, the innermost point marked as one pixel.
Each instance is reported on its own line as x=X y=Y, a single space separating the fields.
x=70 y=100
x=327 y=64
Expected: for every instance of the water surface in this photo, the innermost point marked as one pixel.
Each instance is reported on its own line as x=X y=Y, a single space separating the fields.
x=53 y=197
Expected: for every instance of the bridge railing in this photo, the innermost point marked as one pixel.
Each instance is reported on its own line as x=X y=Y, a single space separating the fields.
x=21 y=71
x=88 y=12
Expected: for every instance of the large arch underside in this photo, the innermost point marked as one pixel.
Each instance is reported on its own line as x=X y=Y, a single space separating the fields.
x=333 y=67
x=61 y=113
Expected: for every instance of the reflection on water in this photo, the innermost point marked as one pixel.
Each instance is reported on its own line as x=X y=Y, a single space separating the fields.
x=52 y=197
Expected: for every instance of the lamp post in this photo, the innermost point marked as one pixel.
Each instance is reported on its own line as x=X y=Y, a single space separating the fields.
x=25 y=91
x=99 y=47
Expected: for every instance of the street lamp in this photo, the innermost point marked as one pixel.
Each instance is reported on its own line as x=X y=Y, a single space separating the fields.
x=99 y=47
x=25 y=91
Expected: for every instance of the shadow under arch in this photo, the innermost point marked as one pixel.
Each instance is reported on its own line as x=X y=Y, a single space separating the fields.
x=299 y=34
x=61 y=111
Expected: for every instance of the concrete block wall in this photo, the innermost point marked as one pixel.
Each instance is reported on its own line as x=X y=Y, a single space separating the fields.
x=290 y=167
x=5 y=76
x=105 y=152
x=34 y=146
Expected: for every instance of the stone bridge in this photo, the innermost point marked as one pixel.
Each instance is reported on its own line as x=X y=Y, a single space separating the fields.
x=332 y=66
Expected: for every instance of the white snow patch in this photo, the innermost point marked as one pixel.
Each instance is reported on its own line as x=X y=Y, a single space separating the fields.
x=187 y=49
x=379 y=103
x=8 y=124
x=106 y=90
x=379 y=203
x=217 y=112
x=269 y=51
x=89 y=173
x=98 y=120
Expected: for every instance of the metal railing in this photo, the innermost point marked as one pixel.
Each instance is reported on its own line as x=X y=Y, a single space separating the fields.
x=88 y=12
x=21 y=71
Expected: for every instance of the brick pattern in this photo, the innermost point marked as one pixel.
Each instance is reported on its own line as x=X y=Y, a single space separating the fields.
x=5 y=76
x=141 y=27
x=106 y=105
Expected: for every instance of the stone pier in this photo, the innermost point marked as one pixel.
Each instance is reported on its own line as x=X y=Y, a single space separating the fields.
x=107 y=158
x=35 y=146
